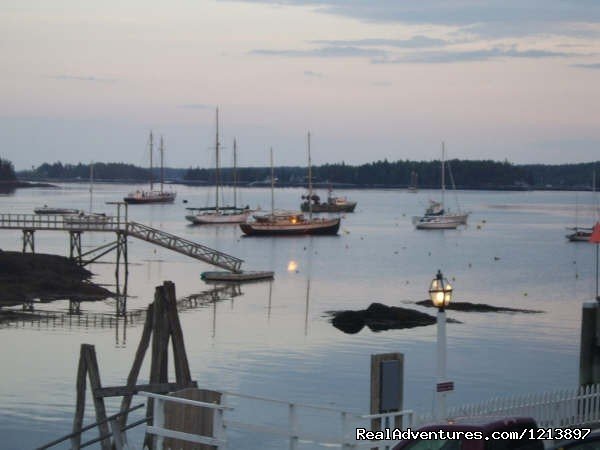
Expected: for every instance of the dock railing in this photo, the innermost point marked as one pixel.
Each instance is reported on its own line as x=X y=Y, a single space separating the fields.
x=296 y=426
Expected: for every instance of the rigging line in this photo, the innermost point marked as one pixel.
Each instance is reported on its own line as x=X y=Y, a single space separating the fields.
x=453 y=185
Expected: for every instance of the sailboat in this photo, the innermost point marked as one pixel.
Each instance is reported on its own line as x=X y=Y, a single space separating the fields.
x=436 y=216
x=91 y=218
x=287 y=223
x=581 y=234
x=412 y=188
x=221 y=214
x=152 y=196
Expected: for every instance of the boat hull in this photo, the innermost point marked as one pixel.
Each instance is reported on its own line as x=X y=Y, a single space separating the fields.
x=324 y=227
x=133 y=200
x=207 y=219
x=329 y=208
x=579 y=237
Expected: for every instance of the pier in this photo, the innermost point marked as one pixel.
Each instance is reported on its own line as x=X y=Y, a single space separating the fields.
x=76 y=225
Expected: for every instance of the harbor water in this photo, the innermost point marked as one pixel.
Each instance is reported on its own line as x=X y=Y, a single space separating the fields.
x=275 y=339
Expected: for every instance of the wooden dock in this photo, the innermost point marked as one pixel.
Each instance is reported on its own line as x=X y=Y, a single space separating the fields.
x=30 y=223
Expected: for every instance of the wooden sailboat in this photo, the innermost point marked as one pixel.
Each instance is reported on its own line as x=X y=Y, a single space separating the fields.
x=220 y=214
x=152 y=196
x=289 y=223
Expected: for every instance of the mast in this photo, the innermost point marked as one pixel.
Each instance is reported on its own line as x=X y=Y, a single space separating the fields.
x=310 y=193
x=272 y=186
x=443 y=173
x=234 y=173
x=217 y=174
x=151 y=151
x=91 y=185
x=162 y=169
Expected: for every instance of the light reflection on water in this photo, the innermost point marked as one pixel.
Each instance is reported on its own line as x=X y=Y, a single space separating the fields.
x=271 y=341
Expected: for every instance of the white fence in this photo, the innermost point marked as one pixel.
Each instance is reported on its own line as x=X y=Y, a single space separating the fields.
x=298 y=425
x=560 y=408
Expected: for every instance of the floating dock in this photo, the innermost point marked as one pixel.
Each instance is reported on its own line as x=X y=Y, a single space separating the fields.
x=239 y=277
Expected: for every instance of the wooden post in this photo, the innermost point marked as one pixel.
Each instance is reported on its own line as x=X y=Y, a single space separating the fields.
x=137 y=362
x=88 y=365
x=588 y=343
x=182 y=367
x=397 y=388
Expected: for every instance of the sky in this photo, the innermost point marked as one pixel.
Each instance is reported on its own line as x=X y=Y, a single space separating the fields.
x=370 y=79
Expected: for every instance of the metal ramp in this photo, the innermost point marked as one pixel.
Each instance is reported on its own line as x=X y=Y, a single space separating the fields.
x=185 y=247
x=29 y=223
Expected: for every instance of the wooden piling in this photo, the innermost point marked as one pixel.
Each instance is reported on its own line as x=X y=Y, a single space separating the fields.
x=588 y=343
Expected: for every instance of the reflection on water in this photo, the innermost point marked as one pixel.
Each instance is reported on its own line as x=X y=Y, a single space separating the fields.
x=275 y=340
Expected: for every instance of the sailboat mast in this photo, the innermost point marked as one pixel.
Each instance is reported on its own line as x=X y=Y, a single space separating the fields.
x=272 y=186
x=91 y=185
x=310 y=193
x=234 y=173
x=151 y=151
x=162 y=169
x=443 y=173
x=217 y=174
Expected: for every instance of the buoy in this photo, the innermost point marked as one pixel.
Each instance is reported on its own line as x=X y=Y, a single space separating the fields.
x=525 y=294
x=184 y=201
x=496 y=258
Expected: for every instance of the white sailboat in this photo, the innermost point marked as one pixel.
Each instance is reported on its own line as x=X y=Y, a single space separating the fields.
x=91 y=218
x=220 y=214
x=436 y=216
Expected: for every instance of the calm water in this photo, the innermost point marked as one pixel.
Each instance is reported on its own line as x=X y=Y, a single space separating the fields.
x=274 y=340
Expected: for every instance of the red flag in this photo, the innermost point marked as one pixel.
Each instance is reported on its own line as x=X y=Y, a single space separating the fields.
x=595 y=237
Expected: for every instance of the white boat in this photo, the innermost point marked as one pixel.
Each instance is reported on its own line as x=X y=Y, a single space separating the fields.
x=152 y=196
x=437 y=223
x=220 y=214
x=437 y=216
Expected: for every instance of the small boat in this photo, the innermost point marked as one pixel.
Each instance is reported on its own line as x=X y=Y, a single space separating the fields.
x=228 y=277
x=87 y=219
x=47 y=210
x=579 y=234
x=152 y=196
x=436 y=223
x=220 y=214
x=436 y=215
x=332 y=205
x=290 y=223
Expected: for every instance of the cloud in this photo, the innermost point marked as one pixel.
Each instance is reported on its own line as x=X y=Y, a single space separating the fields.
x=324 y=52
x=310 y=73
x=587 y=66
x=81 y=78
x=472 y=55
x=499 y=18
x=418 y=41
x=196 y=106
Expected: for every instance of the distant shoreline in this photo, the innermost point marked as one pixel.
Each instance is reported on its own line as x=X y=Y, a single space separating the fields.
x=317 y=185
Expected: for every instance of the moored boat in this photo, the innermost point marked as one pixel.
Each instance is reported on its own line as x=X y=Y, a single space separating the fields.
x=436 y=223
x=579 y=234
x=140 y=197
x=288 y=223
x=332 y=205
x=220 y=214
x=47 y=210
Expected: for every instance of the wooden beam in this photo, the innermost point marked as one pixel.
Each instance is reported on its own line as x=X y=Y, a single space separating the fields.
x=95 y=384
x=80 y=402
x=182 y=366
x=157 y=388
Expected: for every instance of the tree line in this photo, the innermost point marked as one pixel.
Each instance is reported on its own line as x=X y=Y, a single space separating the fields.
x=471 y=174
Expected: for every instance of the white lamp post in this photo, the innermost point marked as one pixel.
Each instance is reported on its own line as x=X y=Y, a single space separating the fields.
x=440 y=293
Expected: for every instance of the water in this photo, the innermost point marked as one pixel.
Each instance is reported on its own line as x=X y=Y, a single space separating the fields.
x=274 y=340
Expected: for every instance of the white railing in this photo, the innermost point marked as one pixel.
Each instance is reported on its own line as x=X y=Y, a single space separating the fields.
x=560 y=408
x=290 y=429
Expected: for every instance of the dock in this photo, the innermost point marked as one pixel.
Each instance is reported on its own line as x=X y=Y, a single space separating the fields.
x=75 y=226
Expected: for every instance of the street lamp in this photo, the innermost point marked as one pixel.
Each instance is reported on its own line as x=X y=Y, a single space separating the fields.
x=440 y=293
